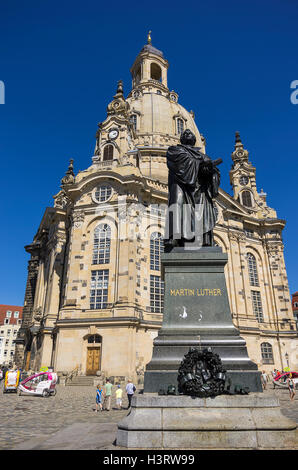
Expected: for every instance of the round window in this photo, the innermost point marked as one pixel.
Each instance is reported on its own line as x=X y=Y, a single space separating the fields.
x=102 y=193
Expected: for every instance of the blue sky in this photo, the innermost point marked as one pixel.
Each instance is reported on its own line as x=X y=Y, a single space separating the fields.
x=231 y=62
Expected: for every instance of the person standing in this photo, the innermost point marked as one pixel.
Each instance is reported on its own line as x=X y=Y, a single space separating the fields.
x=119 y=397
x=291 y=387
x=98 y=398
x=107 y=395
x=4 y=370
x=130 y=389
x=264 y=379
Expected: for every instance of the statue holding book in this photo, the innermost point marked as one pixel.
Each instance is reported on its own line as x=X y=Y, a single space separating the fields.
x=193 y=184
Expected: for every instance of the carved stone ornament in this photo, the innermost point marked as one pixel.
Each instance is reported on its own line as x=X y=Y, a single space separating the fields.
x=237 y=236
x=62 y=200
x=37 y=314
x=78 y=218
x=201 y=374
x=69 y=177
x=136 y=94
x=118 y=105
x=173 y=97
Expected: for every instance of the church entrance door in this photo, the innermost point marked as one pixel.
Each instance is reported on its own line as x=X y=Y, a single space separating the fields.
x=93 y=360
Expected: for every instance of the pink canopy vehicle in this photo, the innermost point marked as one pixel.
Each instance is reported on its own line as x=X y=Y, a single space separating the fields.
x=281 y=379
x=42 y=384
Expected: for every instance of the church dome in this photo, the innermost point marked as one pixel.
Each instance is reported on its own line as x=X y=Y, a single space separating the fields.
x=160 y=119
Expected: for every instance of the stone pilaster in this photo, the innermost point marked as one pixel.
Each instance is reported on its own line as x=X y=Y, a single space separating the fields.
x=23 y=338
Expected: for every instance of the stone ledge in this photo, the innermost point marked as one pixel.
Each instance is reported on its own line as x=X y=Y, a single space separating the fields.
x=225 y=422
x=216 y=440
x=253 y=400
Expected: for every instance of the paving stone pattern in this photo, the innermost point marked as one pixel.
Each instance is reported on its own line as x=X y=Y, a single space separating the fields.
x=34 y=422
x=30 y=417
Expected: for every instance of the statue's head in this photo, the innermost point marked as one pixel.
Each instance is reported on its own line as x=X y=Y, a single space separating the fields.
x=188 y=138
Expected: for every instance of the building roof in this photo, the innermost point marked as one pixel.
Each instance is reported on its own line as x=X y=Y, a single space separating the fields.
x=12 y=308
x=152 y=50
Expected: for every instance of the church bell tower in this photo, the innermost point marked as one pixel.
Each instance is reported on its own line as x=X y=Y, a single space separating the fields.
x=150 y=67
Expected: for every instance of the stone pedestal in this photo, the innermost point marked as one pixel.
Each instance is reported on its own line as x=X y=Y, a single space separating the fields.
x=226 y=422
x=197 y=314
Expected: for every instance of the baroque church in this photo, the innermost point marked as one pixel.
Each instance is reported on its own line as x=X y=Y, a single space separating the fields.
x=94 y=292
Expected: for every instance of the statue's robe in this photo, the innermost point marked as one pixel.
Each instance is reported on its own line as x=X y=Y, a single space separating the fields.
x=192 y=187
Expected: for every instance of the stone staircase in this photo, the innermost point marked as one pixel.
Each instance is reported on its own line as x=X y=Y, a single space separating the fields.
x=81 y=381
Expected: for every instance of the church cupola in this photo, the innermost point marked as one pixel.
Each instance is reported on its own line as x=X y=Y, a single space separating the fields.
x=243 y=175
x=240 y=154
x=118 y=106
x=150 y=66
x=243 y=181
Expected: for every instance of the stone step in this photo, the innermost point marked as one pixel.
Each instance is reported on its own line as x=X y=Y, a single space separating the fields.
x=81 y=381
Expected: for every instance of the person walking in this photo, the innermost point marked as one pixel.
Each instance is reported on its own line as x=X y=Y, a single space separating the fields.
x=264 y=379
x=4 y=370
x=275 y=373
x=130 y=389
x=291 y=387
x=98 y=398
x=107 y=395
x=119 y=393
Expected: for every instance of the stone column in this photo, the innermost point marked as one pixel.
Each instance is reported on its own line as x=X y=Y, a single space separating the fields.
x=27 y=318
x=75 y=256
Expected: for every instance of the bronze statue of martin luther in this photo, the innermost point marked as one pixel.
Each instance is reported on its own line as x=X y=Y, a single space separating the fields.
x=193 y=182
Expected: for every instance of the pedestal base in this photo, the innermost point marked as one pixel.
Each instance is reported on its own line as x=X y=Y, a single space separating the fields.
x=252 y=421
x=197 y=314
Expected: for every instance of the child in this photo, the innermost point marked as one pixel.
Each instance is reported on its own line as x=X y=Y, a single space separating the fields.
x=291 y=387
x=98 y=398
x=119 y=397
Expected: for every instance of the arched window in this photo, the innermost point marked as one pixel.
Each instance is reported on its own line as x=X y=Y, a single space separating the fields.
x=94 y=339
x=133 y=120
x=138 y=75
x=156 y=284
x=180 y=126
x=257 y=305
x=102 y=244
x=252 y=270
x=108 y=152
x=156 y=248
x=155 y=72
x=246 y=198
x=99 y=289
x=267 y=353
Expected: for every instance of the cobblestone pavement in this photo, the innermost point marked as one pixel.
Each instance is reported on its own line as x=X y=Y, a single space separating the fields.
x=25 y=418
